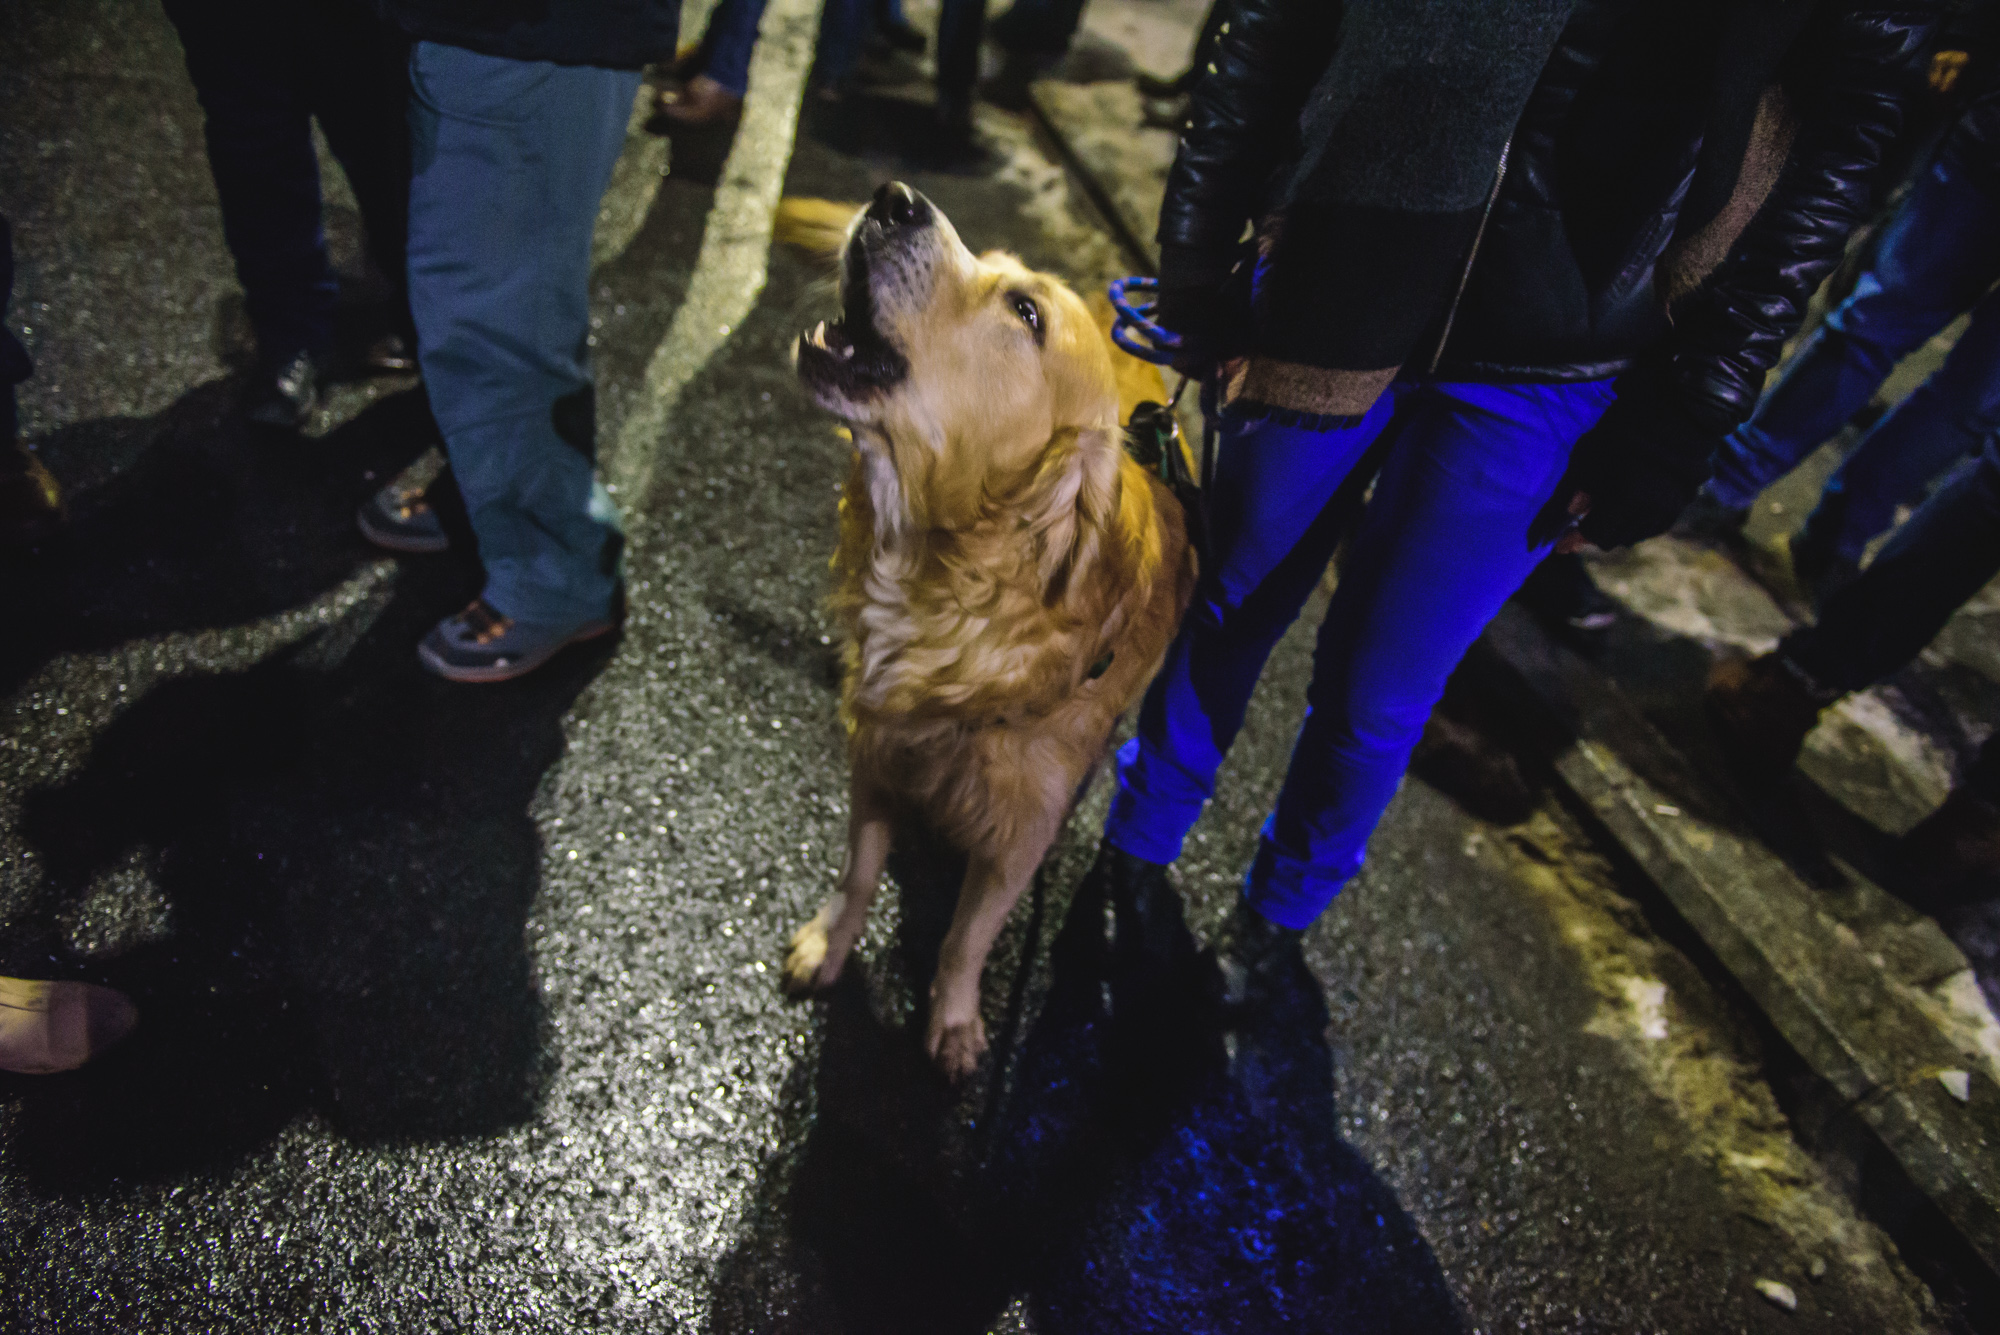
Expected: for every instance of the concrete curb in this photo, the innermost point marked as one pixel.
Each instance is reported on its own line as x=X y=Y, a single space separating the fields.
x=1811 y=977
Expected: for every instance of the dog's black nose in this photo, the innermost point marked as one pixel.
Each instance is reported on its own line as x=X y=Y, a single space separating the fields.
x=896 y=205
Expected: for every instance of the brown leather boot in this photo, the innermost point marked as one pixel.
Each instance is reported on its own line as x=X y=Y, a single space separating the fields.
x=1761 y=711
x=702 y=102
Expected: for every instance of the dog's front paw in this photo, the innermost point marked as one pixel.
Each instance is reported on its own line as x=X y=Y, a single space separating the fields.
x=814 y=962
x=957 y=1039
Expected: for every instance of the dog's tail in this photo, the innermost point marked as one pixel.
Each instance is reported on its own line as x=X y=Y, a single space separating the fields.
x=816 y=226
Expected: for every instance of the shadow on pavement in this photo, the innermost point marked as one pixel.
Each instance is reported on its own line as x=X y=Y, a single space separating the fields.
x=1138 y=1173
x=341 y=842
x=190 y=520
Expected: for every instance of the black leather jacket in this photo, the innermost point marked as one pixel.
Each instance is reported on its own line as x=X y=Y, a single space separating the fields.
x=615 y=34
x=1605 y=165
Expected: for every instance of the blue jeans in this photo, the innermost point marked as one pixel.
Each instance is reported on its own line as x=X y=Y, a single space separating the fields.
x=264 y=72
x=1441 y=546
x=844 y=26
x=1935 y=260
x=1947 y=552
x=512 y=157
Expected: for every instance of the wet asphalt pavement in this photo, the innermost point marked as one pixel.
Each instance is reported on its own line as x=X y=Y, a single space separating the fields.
x=460 y=1004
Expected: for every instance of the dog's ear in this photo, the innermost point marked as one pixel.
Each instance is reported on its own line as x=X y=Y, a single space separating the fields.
x=1075 y=502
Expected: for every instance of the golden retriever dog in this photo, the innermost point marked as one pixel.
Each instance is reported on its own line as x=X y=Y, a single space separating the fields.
x=1007 y=577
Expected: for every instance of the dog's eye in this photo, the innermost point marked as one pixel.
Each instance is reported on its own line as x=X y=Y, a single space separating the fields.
x=1031 y=314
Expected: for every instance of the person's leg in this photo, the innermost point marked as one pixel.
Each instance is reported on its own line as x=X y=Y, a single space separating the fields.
x=1946 y=553
x=511 y=158
x=30 y=501
x=731 y=37
x=1945 y=419
x=244 y=60
x=360 y=92
x=961 y=25
x=844 y=28
x=1273 y=528
x=1039 y=27
x=1442 y=546
x=1934 y=260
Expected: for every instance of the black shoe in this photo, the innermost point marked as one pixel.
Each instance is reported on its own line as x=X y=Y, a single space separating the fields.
x=1008 y=89
x=389 y=354
x=1818 y=566
x=1708 y=520
x=1260 y=963
x=282 y=396
x=1568 y=603
x=399 y=518
x=31 y=504
x=1150 y=937
x=1164 y=113
x=900 y=36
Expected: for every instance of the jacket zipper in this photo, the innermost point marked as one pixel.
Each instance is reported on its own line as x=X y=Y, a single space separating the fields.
x=1465 y=274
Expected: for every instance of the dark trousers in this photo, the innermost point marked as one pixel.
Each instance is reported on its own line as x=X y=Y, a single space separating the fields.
x=1031 y=27
x=264 y=72
x=14 y=364
x=1947 y=552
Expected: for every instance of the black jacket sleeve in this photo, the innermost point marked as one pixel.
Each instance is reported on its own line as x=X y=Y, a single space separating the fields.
x=1851 y=73
x=1242 y=126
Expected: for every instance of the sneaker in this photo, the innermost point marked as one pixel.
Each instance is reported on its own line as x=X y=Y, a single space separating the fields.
x=1762 y=709
x=1710 y=521
x=31 y=504
x=282 y=397
x=1259 y=962
x=480 y=645
x=399 y=518
x=1568 y=603
x=47 y=1027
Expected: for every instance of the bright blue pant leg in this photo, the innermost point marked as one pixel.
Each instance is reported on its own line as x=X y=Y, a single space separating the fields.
x=1273 y=534
x=1934 y=259
x=511 y=158
x=1945 y=419
x=1441 y=546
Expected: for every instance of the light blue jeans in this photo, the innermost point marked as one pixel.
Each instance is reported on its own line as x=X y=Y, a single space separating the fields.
x=1442 y=544
x=511 y=159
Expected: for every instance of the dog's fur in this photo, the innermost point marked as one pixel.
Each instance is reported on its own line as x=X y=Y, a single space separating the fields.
x=1008 y=577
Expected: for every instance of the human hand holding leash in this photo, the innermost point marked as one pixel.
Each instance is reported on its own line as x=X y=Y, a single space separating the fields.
x=1633 y=473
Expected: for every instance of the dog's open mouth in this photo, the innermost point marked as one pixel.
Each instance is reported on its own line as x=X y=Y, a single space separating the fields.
x=848 y=359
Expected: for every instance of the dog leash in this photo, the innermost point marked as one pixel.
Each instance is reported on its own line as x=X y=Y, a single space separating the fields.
x=1153 y=435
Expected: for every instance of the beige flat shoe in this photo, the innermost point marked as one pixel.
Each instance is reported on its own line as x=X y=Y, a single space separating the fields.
x=47 y=1027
